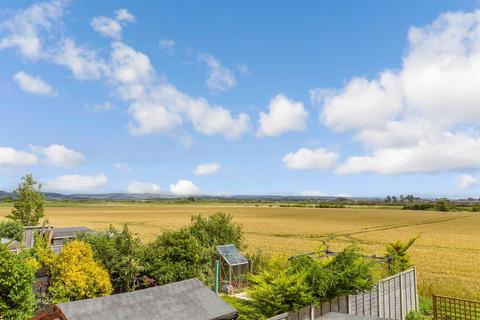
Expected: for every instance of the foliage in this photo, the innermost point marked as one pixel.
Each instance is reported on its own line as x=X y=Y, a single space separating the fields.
x=414 y=315
x=216 y=229
x=244 y=307
x=425 y=305
x=442 y=205
x=418 y=206
x=398 y=258
x=175 y=256
x=17 y=300
x=120 y=252
x=74 y=275
x=278 y=288
x=352 y=273
x=258 y=261
x=11 y=229
x=29 y=204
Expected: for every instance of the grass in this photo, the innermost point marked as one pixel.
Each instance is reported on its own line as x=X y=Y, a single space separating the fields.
x=447 y=255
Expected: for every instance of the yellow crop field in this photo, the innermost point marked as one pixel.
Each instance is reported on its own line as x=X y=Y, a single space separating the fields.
x=447 y=254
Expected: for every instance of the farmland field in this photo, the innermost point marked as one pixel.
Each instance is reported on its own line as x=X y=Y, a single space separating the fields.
x=447 y=255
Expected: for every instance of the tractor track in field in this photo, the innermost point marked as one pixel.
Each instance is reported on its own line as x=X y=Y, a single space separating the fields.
x=348 y=237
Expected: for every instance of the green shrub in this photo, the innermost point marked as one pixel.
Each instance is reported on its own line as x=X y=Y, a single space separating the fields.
x=414 y=315
x=176 y=256
x=11 y=229
x=278 y=288
x=397 y=257
x=17 y=301
x=120 y=252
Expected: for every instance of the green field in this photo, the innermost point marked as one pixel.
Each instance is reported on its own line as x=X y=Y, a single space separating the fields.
x=447 y=255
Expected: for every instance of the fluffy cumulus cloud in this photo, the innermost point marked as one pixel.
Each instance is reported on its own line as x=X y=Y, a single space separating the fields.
x=10 y=157
x=423 y=117
x=76 y=183
x=143 y=187
x=308 y=159
x=112 y=27
x=159 y=107
x=466 y=181
x=207 y=168
x=283 y=115
x=58 y=155
x=219 y=78
x=33 y=84
x=155 y=105
x=184 y=188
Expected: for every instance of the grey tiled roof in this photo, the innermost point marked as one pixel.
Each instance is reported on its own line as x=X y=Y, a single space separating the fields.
x=184 y=300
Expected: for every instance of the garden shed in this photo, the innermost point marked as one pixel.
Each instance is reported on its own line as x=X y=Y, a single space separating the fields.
x=183 y=300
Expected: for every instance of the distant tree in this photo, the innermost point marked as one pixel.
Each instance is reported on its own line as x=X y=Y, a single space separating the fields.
x=29 y=203
x=398 y=259
x=120 y=252
x=394 y=199
x=442 y=205
x=11 y=229
x=74 y=275
x=7 y=199
x=388 y=199
x=176 y=255
x=216 y=229
x=17 y=301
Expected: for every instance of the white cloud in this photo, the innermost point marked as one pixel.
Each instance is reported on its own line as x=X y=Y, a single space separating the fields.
x=82 y=62
x=112 y=27
x=283 y=115
x=184 y=188
x=207 y=168
x=155 y=105
x=123 y=15
x=59 y=155
x=10 y=157
x=168 y=45
x=143 y=187
x=107 y=27
x=315 y=193
x=466 y=181
x=308 y=159
x=24 y=29
x=423 y=117
x=219 y=77
x=33 y=84
x=76 y=183
x=159 y=107
x=449 y=152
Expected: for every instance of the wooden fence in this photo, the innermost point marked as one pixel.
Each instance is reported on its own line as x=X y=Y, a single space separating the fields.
x=391 y=298
x=446 y=308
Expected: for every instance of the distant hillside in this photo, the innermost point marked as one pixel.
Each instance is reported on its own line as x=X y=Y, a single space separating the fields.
x=146 y=196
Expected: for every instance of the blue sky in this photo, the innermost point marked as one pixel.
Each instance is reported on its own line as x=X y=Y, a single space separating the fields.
x=364 y=98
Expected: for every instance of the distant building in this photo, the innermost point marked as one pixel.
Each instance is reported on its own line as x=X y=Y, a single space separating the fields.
x=183 y=300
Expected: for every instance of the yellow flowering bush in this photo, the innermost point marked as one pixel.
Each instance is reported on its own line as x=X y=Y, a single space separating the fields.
x=74 y=275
